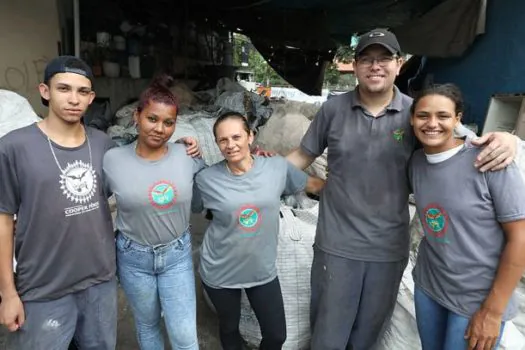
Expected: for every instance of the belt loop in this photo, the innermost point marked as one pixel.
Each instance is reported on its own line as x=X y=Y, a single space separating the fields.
x=127 y=242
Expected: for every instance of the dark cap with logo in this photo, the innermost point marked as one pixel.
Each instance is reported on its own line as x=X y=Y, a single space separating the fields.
x=66 y=64
x=381 y=37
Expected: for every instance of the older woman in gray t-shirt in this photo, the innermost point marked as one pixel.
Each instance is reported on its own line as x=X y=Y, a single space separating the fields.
x=240 y=245
x=471 y=257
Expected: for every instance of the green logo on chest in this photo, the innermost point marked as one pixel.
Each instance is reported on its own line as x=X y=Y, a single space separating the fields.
x=398 y=134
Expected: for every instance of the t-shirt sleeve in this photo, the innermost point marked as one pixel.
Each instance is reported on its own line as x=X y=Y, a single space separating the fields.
x=198 y=165
x=295 y=179
x=106 y=167
x=197 y=204
x=314 y=142
x=9 y=186
x=110 y=144
x=507 y=189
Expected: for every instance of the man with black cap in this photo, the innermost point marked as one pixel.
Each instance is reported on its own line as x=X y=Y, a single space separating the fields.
x=50 y=175
x=362 y=242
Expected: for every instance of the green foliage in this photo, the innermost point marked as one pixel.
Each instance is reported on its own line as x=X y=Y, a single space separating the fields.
x=344 y=53
x=331 y=74
x=264 y=73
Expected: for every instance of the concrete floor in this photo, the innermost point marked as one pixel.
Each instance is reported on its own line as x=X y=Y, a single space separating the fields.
x=206 y=320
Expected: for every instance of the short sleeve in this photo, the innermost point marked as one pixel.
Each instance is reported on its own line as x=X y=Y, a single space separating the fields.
x=295 y=179
x=9 y=185
x=197 y=202
x=110 y=144
x=507 y=189
x=106 y=176
x=198 y=165
x=314 y=142
x=197 y=205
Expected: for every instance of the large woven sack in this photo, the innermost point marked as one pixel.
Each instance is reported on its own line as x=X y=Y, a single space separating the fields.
x=200 y=126
x=402 y=333
x=15 y=112
x=283 y=133
x=294 y=261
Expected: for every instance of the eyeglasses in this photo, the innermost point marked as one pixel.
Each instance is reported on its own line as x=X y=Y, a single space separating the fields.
x=382 y=61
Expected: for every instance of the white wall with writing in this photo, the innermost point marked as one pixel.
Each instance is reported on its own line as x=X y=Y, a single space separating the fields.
x=29 y=35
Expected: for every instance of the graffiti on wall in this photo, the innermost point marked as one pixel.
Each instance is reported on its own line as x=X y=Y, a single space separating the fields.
x=23 y=77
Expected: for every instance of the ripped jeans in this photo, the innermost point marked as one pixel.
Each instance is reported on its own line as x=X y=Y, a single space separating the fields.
x=88 y=317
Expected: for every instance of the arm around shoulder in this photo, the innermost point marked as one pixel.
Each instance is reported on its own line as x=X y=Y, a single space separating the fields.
x=300 y=159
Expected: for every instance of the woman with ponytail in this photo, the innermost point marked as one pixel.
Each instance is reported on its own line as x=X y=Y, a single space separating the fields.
x=152 y=180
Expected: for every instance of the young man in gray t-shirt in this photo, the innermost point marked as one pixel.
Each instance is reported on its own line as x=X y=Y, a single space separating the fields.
x=51 y=179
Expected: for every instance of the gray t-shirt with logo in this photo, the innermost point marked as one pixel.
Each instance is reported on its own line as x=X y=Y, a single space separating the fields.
x=153 y=197
x=64 y=238
x=240 y=245
x=363 y=211
x=461 y=210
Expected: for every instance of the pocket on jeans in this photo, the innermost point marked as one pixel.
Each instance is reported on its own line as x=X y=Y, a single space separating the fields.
x=123 y=244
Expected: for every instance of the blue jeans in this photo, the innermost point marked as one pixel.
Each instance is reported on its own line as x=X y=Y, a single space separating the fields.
x=156 y=279
x=440 y=328
x=88 y=317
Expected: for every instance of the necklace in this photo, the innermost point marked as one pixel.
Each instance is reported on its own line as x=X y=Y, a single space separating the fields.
x=55 y=156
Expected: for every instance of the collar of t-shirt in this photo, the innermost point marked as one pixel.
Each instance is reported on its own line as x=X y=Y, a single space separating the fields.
x=395 y=105
x=441 y=157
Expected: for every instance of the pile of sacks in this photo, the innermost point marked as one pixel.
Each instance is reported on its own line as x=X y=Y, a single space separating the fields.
x=278 y=126
x=15 y=112
x=198 y=111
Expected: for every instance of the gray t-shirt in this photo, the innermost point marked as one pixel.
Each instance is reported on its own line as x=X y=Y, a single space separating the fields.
x=64 y=238
x=240 y=244
x=461 y=210
x=153 y=197
x=363 y=212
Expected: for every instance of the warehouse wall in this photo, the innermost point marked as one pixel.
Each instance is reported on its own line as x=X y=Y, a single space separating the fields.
x=494 y=65
x=29 y=35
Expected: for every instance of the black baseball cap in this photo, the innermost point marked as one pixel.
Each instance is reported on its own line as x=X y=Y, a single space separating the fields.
x=381 y=37
x=66 y=64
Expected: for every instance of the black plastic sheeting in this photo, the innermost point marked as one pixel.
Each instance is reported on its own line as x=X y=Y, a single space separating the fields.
x=297 y=37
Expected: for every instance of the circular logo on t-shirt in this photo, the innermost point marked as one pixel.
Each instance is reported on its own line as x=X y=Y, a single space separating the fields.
x=435 y=220
x=162 y=194
x=78 y=182
x=249 y=217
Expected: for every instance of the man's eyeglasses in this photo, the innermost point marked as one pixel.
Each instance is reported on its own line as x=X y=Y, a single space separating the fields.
x=382 y=61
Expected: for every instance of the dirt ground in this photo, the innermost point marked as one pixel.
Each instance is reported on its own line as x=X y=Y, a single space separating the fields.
x=206 y=319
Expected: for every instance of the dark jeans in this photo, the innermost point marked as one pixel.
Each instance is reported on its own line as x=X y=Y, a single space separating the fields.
x=266 y=302
x=89 y=317
x=352 y=301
